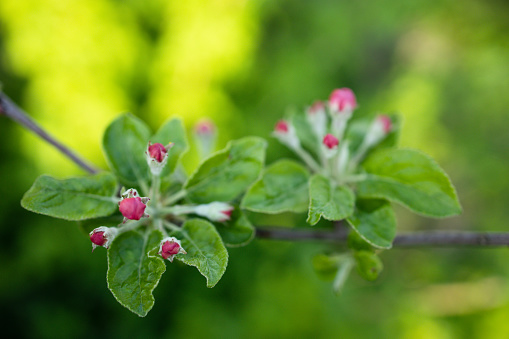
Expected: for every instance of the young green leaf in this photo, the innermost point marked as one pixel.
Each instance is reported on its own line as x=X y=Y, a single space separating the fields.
x=172 y=131
x=74 y=198
x=412 y=179
x=328 y=200
x=132 y=273
x=282 y=188
x=369 y=265
x=326 y=266
x=374 y=221
x=205 y=249
x=238 y=231
x=227 y=173
x=125 y=143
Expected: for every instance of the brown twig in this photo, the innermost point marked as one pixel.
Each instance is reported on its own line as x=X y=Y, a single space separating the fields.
x=414 y=239
x=12 y=111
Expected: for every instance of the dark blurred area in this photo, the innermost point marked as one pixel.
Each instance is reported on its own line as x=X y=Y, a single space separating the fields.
x=75 y=65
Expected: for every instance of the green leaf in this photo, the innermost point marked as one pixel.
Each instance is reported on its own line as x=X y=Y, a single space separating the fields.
x=227 y=173
x=205 y=249
x=328 y=200
x=238 y=231
x=305 y=133
x=172 y=131
x=369 y=265
x=374 y=221
x=132 y=273
x=326 y=266
x=125 y=143
x=412 y=179
x=74 y=198
x=283 y=187
x=357 y=243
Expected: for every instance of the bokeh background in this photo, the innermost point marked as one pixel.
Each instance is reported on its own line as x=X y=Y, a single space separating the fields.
x=75 y=65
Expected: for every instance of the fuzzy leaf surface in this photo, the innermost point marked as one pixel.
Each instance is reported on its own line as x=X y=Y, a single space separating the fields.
x=74 y=198
x=374 y=221
x=328 y=201
x=282 y=188
x=132 y=273
x=205 y=249
x=227 y=173
x=411 y=178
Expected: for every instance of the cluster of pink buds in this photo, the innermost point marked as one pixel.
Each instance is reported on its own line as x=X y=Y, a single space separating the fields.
x=157 y=156
x=170 y=247
x=132 y=206
x=103 y=236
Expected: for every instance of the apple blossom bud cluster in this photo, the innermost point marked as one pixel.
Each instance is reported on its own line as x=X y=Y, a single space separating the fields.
x=328 y=121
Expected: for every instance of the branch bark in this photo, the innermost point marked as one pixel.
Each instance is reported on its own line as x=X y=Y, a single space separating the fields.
x=414 y=239
x=12 y=111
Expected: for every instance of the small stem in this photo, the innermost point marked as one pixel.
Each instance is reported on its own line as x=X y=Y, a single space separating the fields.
x=178 y=209
x=308 y=159
x=156 y=185
x=354 y=178
x=170 y=226
x=9 y=109
x=175 y=197
x=343 y=272
x=129 y=226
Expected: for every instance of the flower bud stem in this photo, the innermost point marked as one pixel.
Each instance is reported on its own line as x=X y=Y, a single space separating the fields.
x=308 y=159
x=175 y=197
x=344 y=270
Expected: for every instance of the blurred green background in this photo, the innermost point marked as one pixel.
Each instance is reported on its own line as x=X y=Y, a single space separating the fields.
x=75 y=65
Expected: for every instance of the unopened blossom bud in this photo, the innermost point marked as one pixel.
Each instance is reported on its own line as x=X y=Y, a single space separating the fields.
x=215 y=211
x=330 y=141
x=286 y=134
x=170 y=247
x=157 y=156
x=379 y=128
x=317 y=118
x=132 y=206
x=342 y=100
x=205 y=127
x=103 y=236
x=205 y=133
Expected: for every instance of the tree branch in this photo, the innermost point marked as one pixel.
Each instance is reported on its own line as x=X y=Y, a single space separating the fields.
x=9 y=109
x=414 y=239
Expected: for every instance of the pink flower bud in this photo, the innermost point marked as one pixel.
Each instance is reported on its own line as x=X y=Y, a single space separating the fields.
x=342 y=100
x=330 y=141
x=316 y=107
x=386 y=122
x=157 y=151
x=205 y=127
x=132 y=206
x=170 y=247
x=282 y=127
x=102 y=236
x=215 y=211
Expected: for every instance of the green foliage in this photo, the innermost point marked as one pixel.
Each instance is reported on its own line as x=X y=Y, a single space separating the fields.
x=369 y=265
x=328 y=200
x=227 y=173
x=236 y=232
x=74 y=198
x=412 y=179
x=205 y=249
x=282 y=187
x=125 y=142
x=326 y=266
x=132 y=272
x=374 y=221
